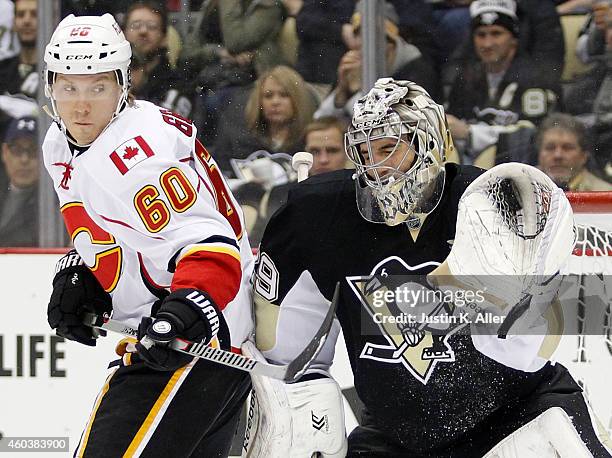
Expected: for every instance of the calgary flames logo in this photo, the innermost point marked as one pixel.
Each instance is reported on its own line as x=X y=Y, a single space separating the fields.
x=66 y=174
x=418 y=335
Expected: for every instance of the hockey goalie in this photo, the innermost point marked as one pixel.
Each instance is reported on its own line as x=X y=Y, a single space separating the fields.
x=429 y=390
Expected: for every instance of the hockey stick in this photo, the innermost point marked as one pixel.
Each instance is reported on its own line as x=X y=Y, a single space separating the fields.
x=287 y=373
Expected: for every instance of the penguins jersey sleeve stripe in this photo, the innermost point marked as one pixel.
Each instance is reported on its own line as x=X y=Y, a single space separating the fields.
x=283 y=329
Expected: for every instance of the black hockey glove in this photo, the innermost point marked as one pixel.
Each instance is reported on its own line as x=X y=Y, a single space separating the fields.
x=75 y=292
x=189 y=314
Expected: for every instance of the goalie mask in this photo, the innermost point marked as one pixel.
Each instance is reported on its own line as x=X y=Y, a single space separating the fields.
x=405 y=183
x=86 y=45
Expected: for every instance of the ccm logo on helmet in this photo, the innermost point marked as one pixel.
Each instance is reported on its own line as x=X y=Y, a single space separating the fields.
x=79 y=57
x=207 y=309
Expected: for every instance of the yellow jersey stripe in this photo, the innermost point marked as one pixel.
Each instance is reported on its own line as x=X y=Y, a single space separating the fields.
x=145 y=429
x=213 y=249
x=92 y=416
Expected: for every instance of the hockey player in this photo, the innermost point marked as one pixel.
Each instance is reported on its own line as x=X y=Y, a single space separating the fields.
x=428 y=391
x=157 y=234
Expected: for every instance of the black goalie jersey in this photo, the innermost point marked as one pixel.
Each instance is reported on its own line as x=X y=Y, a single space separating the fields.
x=425 y=393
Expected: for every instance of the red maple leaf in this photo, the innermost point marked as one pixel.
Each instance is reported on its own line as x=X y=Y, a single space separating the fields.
x=130 y=153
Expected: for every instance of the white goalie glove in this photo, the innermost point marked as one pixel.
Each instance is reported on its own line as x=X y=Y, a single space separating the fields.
x=512 y=220
x=297 y=420
x=515 y=230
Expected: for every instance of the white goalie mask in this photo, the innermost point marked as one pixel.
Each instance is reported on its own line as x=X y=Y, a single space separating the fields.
x=87 y=45
x=393 y=191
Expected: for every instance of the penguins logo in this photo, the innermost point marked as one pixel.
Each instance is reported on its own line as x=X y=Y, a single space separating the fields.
x=419 y=346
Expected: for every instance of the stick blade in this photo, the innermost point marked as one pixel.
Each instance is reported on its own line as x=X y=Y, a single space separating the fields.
x=300 y=364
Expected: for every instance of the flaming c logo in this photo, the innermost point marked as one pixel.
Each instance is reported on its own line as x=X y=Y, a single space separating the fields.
x=66 y=174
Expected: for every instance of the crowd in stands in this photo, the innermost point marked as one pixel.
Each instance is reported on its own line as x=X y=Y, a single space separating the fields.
x=521 y=80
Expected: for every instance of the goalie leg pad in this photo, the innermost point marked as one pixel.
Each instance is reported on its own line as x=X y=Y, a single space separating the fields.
x=293 y=420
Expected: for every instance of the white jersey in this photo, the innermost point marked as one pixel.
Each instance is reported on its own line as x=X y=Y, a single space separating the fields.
x=145 y=194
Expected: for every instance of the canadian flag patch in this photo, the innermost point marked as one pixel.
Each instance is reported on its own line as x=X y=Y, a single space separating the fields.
x=131 y=153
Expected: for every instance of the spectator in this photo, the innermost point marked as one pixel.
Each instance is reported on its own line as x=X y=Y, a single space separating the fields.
x=563 y=154
x=233 y=43
x=591 y=96
x=244 y=33
x=278 y=109
x=19 y=74
x=14 y=106
x=153 y=77
x=541 y=35
x=325 y=141
x=404 y=61
x=321 y=48
x=452 y=25
x=417 y=26
x=18 y=203
x=500 y=86
x=541 y=39
x=9 y=46
x=268 y=183
x=591 y=43
x=516 y=144
x=261 y=188
x=603 y=109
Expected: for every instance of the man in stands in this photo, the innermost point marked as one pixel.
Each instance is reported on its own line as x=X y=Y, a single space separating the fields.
x=500 y=86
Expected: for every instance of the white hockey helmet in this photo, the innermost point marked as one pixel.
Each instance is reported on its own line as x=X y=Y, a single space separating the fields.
x=404 y=111
x=86 y=45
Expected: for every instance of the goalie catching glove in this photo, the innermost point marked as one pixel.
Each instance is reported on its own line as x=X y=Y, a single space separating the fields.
x=295 y=420
x=514 y=232
x=188 y=314
x=76 y=292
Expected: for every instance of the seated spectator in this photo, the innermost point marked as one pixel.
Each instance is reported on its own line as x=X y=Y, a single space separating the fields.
x=320 y=48
x=452 y=25
x=278 y=109
x=18 y=202
x=244 y=34
x=153 y=78
x=404 y=62
x=19 y=74
x=563 y=154
x=325 y=141
x=515 y=144
x=591 y=97
x=500 y=86
x=418 y=26
x=265 y=179
x=591 y=42
x=9 y=46
x=261 y=187
x=540 y=38
x=232 y=43
x=11 y=107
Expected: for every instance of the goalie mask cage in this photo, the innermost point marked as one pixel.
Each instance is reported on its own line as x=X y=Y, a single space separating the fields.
x=587 y=354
